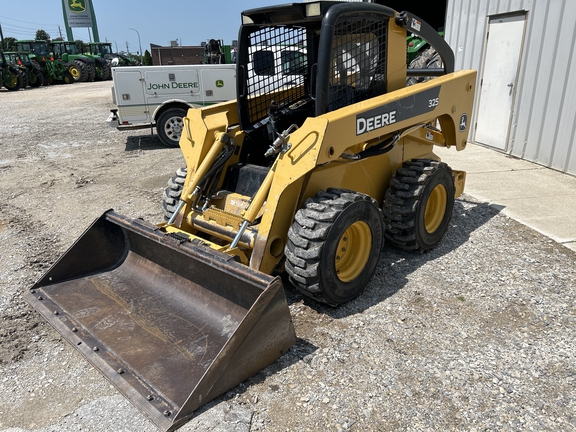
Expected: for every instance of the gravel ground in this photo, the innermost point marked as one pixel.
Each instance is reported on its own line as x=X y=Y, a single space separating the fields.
x=478 y=334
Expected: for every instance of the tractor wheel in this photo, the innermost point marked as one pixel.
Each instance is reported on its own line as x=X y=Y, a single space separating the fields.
x=12 y=80
x=418 y=204
x=173 y=193
x=78 y=70
x=169 y=126
x=91 y=72
x=105 y=71
x=67 y=77
x=36 y=77
x=23 y=77
x=429 y=58
x=334 y=245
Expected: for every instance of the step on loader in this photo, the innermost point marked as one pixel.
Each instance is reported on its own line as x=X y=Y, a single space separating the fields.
x=307 y=175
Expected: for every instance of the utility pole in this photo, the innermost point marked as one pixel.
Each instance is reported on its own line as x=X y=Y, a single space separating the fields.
x=2 y=39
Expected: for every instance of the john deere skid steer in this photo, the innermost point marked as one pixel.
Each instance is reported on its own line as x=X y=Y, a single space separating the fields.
x=321 y=157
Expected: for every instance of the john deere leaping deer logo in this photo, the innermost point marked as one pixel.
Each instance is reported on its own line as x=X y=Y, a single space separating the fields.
x=77 y=5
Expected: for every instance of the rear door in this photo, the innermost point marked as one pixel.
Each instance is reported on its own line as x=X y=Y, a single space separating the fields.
x=499 y=79
x=218 y=83
x=129 y=95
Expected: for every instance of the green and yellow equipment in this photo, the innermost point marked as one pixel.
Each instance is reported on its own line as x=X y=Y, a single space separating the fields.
x=307 y=176
x=82 y=67
x=54 y=70
x=29 y=67
x=10 y=75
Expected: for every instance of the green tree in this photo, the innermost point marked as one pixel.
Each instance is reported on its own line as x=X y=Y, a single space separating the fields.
x=79 y=46
x=147 y=58
x=42 y=35
x=10 y=44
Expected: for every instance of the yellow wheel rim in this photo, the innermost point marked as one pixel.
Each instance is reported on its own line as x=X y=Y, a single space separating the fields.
x=75 y=72
x=12 y=80
x=435 y=208
x=353 y=251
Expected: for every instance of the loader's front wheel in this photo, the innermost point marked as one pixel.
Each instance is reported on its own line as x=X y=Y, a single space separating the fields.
x=334 y=245
x=173 y=193
x=418 y=204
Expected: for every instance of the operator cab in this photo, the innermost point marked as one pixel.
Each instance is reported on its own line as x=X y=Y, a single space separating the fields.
x=303 y=60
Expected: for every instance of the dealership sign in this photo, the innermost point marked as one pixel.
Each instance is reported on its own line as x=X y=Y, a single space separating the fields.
x=78 y=13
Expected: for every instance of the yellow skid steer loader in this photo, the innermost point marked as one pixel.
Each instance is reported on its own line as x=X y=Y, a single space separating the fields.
x=321 y=157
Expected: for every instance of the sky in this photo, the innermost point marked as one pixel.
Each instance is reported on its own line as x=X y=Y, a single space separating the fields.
x=190 y=22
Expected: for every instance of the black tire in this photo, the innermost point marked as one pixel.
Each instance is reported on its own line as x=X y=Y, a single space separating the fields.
x=105 y=70
x=77 y=69
x=67 y=78
x=36 y=77
x=428 y=58
x=169 y=126
x=334 y=245
x=91 y=72
x=24 y=78
x=12 y=80
x=173 y=192
x=418 y=204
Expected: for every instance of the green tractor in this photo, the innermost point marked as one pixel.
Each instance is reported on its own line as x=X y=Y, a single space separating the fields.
x=81 y=67
x=30 y=68
x=10 y=75
x=104 y=50
x=53 y=70
x=101 y=49
x=10 y=59
x=98 y=51
x=415 y=46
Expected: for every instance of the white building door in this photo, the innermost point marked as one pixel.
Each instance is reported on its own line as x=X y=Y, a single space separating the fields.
x=498 y=85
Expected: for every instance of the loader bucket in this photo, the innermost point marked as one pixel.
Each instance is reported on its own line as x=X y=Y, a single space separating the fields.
x=170 y=323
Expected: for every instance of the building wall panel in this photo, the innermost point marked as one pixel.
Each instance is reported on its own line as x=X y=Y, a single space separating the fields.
x=543 y=125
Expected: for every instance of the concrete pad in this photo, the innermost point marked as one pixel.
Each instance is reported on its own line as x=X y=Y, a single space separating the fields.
x=538 y=197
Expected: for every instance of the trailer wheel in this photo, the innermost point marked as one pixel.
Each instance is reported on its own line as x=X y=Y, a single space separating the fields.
x=169 y=126
x=173 y=192
x=418 y=204
x=334 y=245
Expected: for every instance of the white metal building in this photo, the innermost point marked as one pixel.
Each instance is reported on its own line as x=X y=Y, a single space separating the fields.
x=524 y=53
